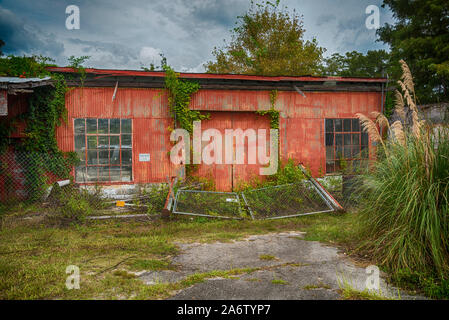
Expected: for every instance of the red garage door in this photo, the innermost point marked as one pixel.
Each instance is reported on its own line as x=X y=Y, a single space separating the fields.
x=229 y=177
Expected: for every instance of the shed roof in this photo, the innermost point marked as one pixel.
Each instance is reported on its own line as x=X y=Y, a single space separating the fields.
x=156 y=79
x=138 y=73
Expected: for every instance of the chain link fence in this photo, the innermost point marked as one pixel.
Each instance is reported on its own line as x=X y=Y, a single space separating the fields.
x=47 y=183
x=208 y=204
x=290 y=200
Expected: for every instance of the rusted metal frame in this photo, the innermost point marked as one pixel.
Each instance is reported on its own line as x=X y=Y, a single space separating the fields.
x=170 y=196
x=331 y=209
x=120 y=149
x=298 y=215
x=321 y=190
x=248 y=206
x=334 y=133
x=205 y=215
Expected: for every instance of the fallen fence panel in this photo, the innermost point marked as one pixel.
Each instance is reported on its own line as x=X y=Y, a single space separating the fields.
x=225 y=205
x=285 y=201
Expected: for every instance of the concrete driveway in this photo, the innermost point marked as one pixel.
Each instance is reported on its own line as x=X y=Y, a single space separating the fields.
x=283 y=266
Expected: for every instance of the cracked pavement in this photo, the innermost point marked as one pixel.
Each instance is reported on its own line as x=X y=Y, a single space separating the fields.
x=293 y=269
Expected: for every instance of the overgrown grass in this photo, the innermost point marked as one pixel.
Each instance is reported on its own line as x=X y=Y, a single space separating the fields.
x=34 y=256
x=404 y=213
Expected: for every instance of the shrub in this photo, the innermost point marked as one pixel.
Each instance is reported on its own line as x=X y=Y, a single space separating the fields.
x=404 y=215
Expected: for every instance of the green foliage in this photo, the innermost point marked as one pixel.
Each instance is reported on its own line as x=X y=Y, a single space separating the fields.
x=287 y=173
x=272 y=112
x=420 y=36
x=77 y=64
x=46 y=111
x=268 y=40
x=404 y=211
x=24 y=67
x=431 y=285
x=179 y=95
x=374 y=64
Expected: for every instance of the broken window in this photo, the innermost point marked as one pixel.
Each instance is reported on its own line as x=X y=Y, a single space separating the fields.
x=346 y=145
x=104 y=147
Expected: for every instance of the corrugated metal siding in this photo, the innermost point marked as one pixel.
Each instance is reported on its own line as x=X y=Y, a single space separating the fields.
x=301 y=124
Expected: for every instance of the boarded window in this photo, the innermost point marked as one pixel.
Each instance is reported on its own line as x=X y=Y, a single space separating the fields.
x=104 y=147
x=346 y=145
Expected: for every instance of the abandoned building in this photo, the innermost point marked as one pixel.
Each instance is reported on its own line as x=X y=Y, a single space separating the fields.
x=119 y=122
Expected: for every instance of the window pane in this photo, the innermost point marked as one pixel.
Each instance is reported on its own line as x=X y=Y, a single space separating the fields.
x=355 y=151
x=356 y=139
x=92 y=174
x=339 y=139
x=347 y=125
x=364 y=138
x=330 y=153
x=115 y=173
x=103 y=125
x=126 y=141
x=103 y=173
x=81 y=155
x=329 y=139
x=126 y=156
x=80 y=142
x=347 y=153
x=103 y=142
x=329 y=125
x=92 y=157
x=80 y=174
x=338 y=125
x=114 y=126
x=338 y=152
x=114 y=142
x=330 y=166
x=92 y=142
x=126 y=173
x=114 y=156
x=126 y=126
x=347 y=140
x=80 y=126
x=91 y=125
x=103 y=157
x=355 y=125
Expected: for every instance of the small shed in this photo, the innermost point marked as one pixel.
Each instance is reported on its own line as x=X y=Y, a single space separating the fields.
x=119 y=122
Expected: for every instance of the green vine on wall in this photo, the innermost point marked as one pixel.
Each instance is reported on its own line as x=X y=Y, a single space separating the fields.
x=179 y=96
x=272 y=112
x=39 y=148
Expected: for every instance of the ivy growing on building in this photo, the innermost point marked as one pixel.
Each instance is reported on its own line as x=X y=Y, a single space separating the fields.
x=272 y=112
x=179 y=96
x=41 y=155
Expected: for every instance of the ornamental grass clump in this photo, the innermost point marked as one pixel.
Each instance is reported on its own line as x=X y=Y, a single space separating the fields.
x=405 y=211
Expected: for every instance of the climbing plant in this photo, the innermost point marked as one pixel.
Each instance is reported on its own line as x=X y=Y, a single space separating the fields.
x=179 y=96
x=272 y=112
x=46 y=112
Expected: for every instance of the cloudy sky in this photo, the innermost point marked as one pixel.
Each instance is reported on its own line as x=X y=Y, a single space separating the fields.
x=131 y=34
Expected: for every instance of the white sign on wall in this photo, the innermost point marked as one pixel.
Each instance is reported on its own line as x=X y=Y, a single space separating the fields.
x=144 y=157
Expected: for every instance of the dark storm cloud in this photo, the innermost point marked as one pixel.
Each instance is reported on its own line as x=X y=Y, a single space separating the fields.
x=21 y=38
x=131 y=34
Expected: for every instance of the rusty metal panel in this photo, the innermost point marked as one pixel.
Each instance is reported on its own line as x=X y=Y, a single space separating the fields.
x=150 y=136
x=301 y=124
x=128 y=103
x=231 y=100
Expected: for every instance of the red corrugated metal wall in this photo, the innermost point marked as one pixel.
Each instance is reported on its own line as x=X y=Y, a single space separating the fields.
x=301 y=123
